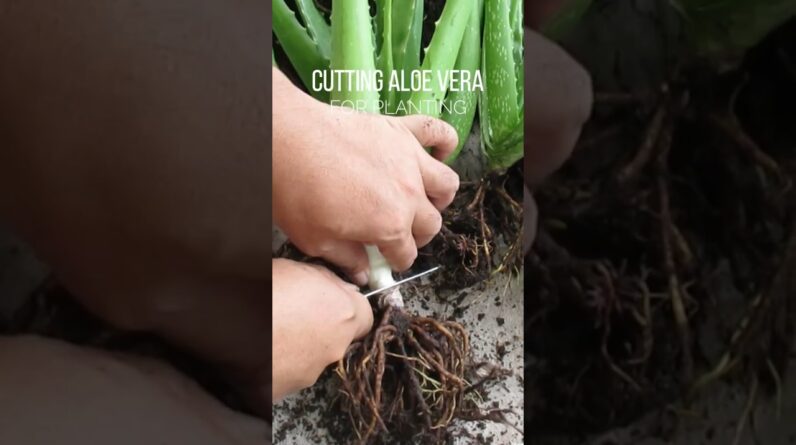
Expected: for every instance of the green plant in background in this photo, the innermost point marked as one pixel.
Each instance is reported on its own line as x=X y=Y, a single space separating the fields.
x=714 y=28
x=732 y=26
x=302 y=46
x=502 y=107
x=566 y=19
x=469 y=60
x=399 y=26
x=458 y=42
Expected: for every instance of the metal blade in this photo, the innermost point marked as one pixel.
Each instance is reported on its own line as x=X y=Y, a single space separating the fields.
x=400 y=282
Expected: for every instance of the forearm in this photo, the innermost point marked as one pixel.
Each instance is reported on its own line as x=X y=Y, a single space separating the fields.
x=99 y=92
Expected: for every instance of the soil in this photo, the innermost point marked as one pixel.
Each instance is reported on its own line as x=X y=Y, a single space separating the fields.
x=312 y=416
x=666 y=251
x=482 y=233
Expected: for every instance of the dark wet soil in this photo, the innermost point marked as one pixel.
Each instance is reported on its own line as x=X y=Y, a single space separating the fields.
x=666 y=245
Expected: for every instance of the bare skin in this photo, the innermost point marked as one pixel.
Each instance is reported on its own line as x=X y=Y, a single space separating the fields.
x=314 y=338
x=57 y=393
x=347 y=180
x=370 y=179
x=558 y=102
x=140 y=174
x=135 y=160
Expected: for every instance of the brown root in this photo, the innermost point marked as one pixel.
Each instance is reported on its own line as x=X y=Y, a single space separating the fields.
x=406 y=379
x=482 y=235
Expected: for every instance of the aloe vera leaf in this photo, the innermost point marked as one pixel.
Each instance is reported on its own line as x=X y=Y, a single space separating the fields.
x=519 y=47
x=316 y=25
x=461 y=105
x=353 y=49
x=441 y=55
x=301 y=50
x=384 y=62
x=407 y=33
x=719 y=27
x=501 y=113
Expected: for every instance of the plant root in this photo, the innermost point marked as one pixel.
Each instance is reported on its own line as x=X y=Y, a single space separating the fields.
x=406 y=379
x=482 y=234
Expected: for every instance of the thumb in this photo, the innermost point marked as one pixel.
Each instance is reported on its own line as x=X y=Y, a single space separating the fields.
x=432 y=133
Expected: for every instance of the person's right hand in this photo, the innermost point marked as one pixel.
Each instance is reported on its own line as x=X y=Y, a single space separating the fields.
x=343 y=179
x=316 y=317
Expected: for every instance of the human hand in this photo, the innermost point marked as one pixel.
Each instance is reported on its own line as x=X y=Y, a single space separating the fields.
x=558 y=101
x=316 y=317
x=343 y=179
x=140 y=173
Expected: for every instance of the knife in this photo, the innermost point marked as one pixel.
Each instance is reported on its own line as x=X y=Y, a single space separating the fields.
x=399 y=282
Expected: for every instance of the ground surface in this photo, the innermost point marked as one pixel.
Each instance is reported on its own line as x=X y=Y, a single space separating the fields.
x=491 y=312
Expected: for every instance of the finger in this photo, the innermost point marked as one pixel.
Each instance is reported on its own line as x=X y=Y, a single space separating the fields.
x=347 y=255
x=400 y=253
x=440 y=181
x=530 y=215
x=432 y=133
x=558 y=98
x=427 y=223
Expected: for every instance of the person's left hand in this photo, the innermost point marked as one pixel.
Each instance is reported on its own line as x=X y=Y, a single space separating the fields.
x=316 y=317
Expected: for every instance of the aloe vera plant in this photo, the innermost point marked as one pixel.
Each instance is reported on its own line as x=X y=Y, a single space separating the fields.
x=502 y=103
x=398 y=31
x=390 y=44
x=469 y=60
x=397 y=355
x=475 y=36
x=721 y=26
x=713 y=27
x=441 y=54
x=307 y=48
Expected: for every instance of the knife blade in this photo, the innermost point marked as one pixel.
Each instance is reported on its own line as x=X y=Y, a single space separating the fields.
x=400 y=282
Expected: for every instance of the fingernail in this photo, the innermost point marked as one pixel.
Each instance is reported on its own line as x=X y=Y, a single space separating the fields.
x=361 y=278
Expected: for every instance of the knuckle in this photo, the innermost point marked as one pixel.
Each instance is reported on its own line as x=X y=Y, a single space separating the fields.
x=430 y=225
x=429 y=123
x=412 y=188
x=435 y=223
x=406 y=261
x=392 y=226
x=450 y=179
